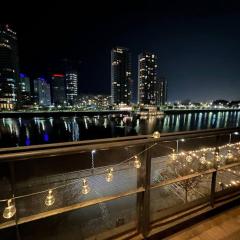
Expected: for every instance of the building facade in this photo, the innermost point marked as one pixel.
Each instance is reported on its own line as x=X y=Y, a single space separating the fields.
x=9 y=69
x=71 y=78
x=121 y=76
x=42 y=93
x=147 y=78
x=58 y=89
x=161 y=91
x=95 y=102
x=24 y=93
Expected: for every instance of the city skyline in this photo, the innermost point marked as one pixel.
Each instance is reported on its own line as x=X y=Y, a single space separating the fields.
x=197 y=44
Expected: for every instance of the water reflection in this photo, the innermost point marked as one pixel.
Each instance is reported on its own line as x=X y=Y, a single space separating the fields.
x=40 y=130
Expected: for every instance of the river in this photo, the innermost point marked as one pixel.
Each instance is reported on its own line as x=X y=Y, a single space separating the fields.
x=41 y=130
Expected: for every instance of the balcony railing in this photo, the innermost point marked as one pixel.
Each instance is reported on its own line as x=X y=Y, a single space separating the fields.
x=116 y=188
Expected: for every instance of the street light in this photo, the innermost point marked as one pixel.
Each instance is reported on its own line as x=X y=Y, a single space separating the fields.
x=230 y=136
x=182 y=140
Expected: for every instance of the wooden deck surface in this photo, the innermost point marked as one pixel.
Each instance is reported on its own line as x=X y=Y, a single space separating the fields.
x=223 y=226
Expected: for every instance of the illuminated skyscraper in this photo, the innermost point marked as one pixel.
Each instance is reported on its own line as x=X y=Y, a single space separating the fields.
x=58 y=89
x=161 y=91
x=24 y=83
x=24 y=93
x=121 y=75
x=8 y=67
x=147 y=78
x=42 y=94
x=71 y=78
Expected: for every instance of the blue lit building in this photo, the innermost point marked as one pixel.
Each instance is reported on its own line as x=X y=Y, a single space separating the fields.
x=24 y=83
x=24 y=91
x=42 y=93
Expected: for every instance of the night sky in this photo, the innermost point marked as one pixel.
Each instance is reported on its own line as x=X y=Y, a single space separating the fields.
x=197 y=42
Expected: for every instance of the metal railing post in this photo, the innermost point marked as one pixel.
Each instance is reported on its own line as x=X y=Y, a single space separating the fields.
x=144 y=197
x=213 y=188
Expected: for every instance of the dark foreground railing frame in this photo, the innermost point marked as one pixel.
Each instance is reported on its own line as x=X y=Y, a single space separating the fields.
x=145 y=228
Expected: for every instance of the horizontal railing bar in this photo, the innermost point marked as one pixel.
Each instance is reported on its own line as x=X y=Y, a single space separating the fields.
x=69 y=150
x=71 y=144
x=229 y=166
x=198 y=133
x=179 y=179
x=52 y=150
x=117 y=139
x=7 y=224
x=76 y=206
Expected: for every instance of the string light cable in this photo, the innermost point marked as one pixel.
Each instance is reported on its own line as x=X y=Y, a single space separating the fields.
x=10 y=210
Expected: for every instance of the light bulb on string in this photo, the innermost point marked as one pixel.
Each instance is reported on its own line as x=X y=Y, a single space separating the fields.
x=85 y=187
x=156 y=135
x=202 y=159
x=229 y=155
x=238 y=150
x=194 y=154
x=109 y=176
x=217 y=157
x=189 y=158
x=137 y=162
x=10 y=210
x=50 y=199
x=233 y=182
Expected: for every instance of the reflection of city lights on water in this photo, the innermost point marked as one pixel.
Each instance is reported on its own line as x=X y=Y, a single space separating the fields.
x=45 y=137
x=69 y=127
x=86 y=123
x=105 y=123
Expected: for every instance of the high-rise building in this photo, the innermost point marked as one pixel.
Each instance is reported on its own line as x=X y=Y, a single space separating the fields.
x=121 y=76
x=42 y=94
x=58 y=89
x=71 y=78
x=24 y=92
x=24 y=83
x=161 y=91
x=147 y=77
x=9 y=69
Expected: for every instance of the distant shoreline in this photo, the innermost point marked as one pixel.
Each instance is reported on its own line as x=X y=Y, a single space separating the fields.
x=103 y=112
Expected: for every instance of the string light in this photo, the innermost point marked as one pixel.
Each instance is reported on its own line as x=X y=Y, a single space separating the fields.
x=50 y=199
x=202 y=159
x=233 y=182
x=10 y=210
x=109 y=176
x=137 y=162
x=189 y=158
x=85 y=187
x=229 y=155
x=156 y=134
x=194 y=154
x=238 y=150
x=217 y=157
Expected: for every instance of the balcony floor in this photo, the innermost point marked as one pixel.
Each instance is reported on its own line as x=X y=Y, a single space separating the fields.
x=222 y=226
